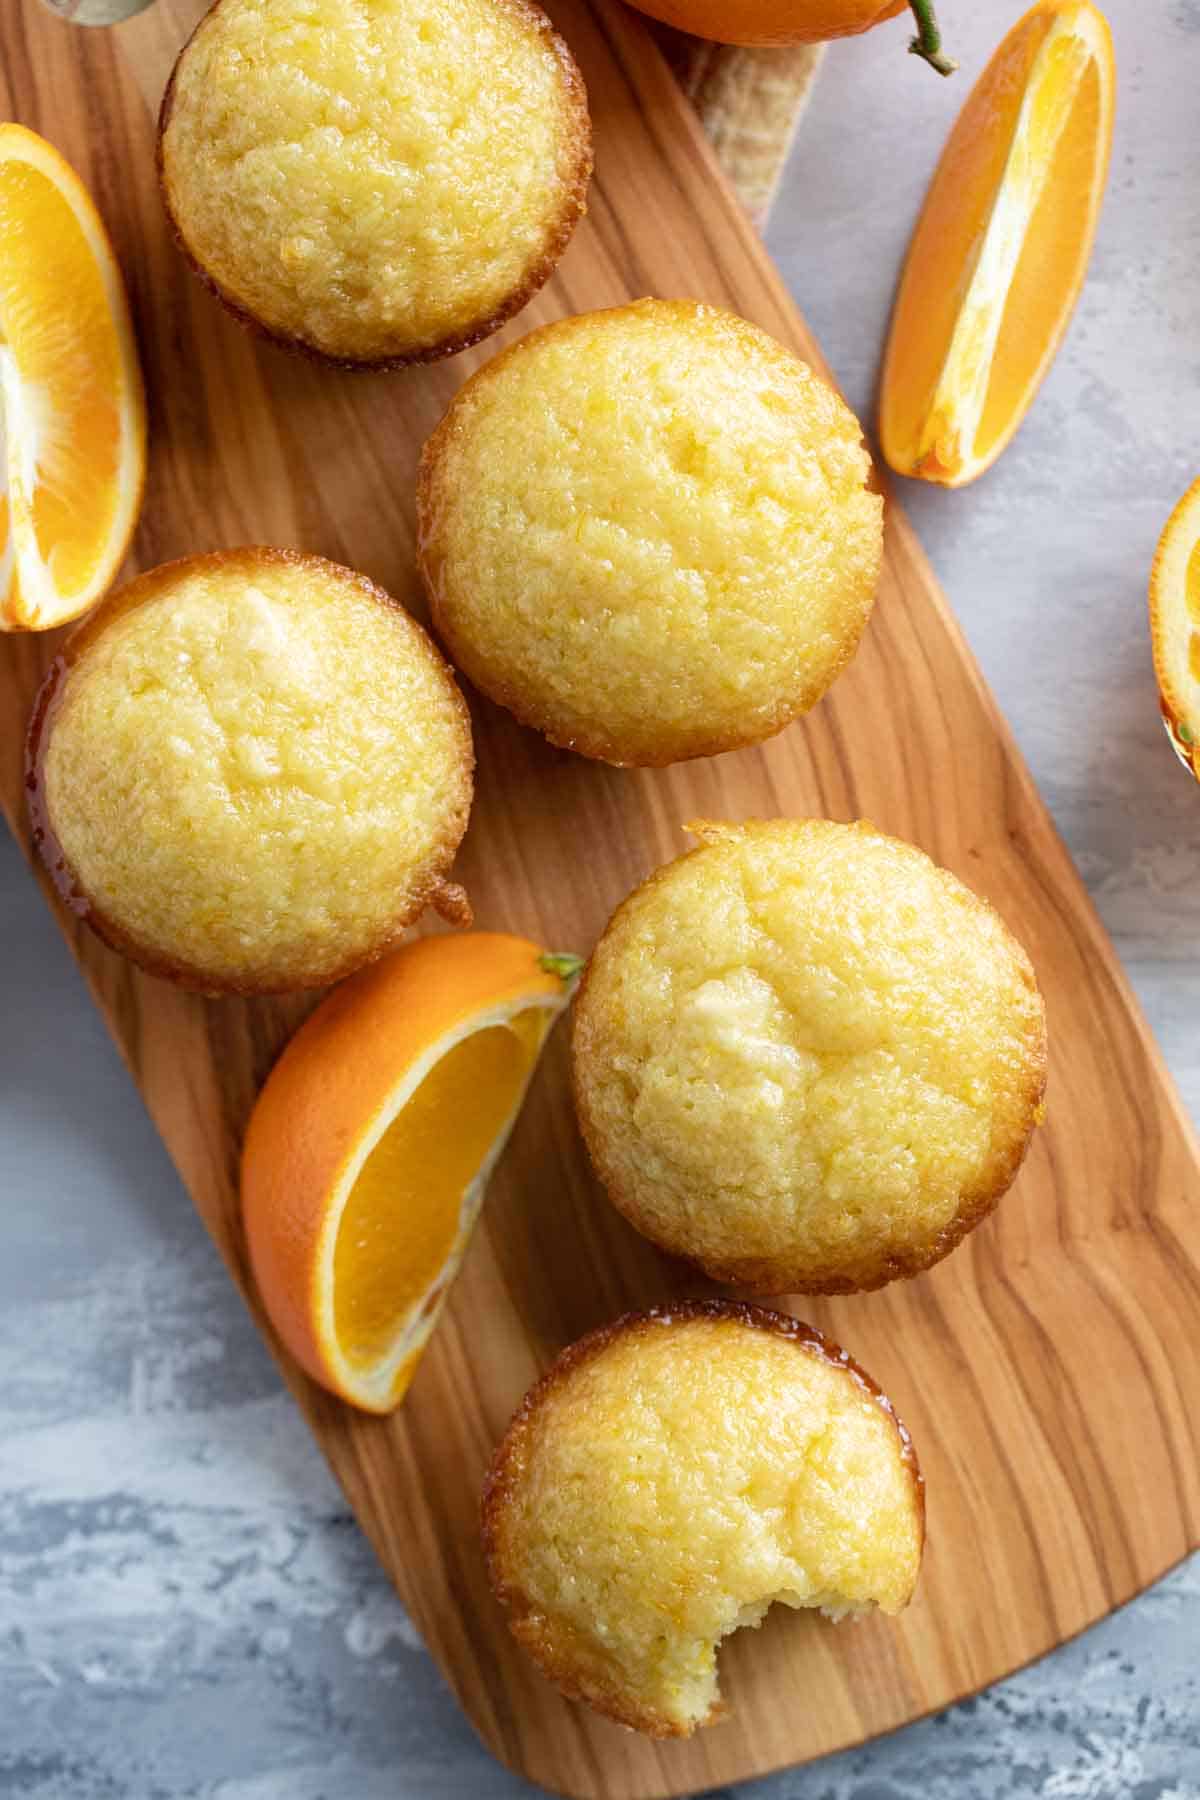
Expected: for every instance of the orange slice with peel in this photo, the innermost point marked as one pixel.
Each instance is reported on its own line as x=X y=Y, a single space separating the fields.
x=1175 y=627
x=1001 y=247
x=72 y=412
x=369 y=1150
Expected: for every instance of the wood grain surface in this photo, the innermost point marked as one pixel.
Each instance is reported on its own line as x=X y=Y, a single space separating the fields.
x=1049 y=1370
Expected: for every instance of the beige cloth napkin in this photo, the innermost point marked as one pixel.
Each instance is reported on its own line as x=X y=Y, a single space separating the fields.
x=749 y=102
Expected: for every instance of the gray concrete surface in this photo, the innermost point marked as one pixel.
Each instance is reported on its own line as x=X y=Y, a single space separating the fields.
x=186 y=1608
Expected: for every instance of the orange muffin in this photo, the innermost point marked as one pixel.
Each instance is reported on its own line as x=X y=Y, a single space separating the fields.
x=674 y=1475
x=647 y=532
x=375 y=184
x=806 y=1057
x=250 y=771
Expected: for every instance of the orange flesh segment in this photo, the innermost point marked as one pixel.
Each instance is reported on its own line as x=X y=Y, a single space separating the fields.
x=402 y=1220
x=1000 y=249
x=1056 y=237
x=1191 y=583
x=942 y=259
x=1191 y=603
x=63 y=356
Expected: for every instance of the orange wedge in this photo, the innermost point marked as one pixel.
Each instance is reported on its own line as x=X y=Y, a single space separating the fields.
x=72 y=413
x=1001 y=247
x=368 y=1153
x=1175 y=627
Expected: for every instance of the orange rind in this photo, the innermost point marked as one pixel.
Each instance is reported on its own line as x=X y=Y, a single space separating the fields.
x=369 y=1151
x=1001 y=248
x=72 y=411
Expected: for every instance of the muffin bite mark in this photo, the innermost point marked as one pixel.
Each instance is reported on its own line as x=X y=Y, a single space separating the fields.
x=608 y=1662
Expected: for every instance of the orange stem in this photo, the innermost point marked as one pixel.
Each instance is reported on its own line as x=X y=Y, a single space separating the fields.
x=928 y=42
x=563 y=963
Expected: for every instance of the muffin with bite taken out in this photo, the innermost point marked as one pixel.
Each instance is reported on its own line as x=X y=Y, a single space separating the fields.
x=674 y=1475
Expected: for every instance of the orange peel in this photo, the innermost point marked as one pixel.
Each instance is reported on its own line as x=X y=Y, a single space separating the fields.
x=1001 y=248
x=369 y=1151
x=1175 y=627
x=72 y=409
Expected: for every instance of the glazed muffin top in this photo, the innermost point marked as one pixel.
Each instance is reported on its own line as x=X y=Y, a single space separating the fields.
x=806 y=1057
x=375 y=182
x=671 y=1477
x=647 y=532
x=253 y=769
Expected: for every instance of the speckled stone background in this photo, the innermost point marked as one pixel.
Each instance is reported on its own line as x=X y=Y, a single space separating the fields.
x=186 y=1608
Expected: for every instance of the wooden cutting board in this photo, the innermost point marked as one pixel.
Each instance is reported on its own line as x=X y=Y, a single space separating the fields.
x=1050 y=1369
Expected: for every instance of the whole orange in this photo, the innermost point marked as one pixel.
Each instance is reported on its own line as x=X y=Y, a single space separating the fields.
x=772 y=21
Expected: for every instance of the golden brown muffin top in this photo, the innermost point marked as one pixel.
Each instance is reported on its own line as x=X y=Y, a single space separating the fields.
x=254 y=768
x=377 y=182
x=647 y=532
x=807 y=1057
